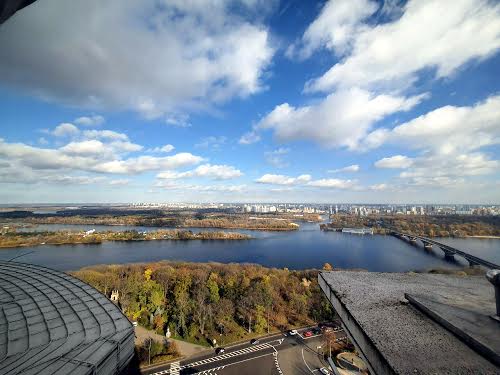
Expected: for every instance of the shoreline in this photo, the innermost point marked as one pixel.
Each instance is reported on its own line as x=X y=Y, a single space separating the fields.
x=136 y=240
x=287 y=229
x=485 y=237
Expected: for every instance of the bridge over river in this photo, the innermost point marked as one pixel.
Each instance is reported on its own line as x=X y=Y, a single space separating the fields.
x=449 y=251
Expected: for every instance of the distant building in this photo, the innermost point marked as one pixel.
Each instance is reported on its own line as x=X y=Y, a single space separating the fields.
x=114 y=296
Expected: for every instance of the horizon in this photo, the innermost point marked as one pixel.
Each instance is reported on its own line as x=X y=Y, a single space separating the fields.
x=53 y=204
x=346 y=101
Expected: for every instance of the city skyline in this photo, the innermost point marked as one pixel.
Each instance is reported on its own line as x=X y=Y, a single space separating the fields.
x=251 y=101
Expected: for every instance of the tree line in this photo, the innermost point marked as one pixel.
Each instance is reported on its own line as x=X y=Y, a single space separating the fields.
x=200 y=302
x=423 y=225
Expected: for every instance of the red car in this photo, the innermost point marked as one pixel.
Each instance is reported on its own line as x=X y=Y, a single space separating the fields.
x=308 y=334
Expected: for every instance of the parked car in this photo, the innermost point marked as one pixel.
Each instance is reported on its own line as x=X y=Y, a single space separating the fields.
x=307 y=334
x=254 y=341
x=323 y=370
x=134 y=324
x=292 y=332
x=219 y=351
x=316 y=331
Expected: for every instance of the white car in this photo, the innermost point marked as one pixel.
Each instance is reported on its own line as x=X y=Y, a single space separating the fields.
x=292 y=332
x=134 y=324
x=323 y=370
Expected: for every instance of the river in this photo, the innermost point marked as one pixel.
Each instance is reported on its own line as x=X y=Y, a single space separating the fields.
x=306 y=248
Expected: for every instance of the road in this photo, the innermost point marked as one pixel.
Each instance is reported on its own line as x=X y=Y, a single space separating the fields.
x=274 y=355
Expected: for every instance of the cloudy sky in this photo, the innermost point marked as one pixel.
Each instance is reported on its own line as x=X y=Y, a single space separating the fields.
x=251 y=100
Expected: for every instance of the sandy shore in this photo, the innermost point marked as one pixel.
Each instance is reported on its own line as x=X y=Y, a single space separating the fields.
x=494 y=237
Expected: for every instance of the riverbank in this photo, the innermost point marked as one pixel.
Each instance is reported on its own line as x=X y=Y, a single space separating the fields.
x=486 y=237
x=183 y=219
x=25 y=239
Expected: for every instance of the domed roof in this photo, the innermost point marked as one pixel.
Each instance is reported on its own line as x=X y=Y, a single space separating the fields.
x=53 y=323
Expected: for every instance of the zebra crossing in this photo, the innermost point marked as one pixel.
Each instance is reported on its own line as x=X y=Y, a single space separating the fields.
x=175 y=367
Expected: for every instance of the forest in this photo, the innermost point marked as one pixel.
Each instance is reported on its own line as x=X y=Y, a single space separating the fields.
x=423 y=225
x=18 y=239
x=202 y=301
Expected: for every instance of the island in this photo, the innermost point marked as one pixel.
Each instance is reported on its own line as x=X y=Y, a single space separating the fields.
x=164 y=218
x=9 y=239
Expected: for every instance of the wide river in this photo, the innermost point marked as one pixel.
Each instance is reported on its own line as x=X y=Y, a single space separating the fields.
x=306 y=248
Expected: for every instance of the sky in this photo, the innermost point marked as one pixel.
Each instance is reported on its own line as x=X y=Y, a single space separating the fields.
x=340 y=101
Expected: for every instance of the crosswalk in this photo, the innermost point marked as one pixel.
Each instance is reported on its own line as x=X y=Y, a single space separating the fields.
x=175 y=367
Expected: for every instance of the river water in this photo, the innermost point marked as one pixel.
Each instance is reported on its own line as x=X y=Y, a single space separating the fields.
x=306 y=248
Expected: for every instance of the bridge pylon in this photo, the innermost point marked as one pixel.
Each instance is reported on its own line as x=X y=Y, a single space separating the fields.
x=448 y=254
x=427 y=245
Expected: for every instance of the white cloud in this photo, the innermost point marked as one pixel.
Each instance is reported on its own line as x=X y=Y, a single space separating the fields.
x=167 y=148
x=179 y=120
x=168 y=185
x=448 y=129
x=334 y=28
x=449 y=167
x=213 y=142
x=349 y=168
x=92 y=147
x=148 y=163
x=249 y=138
x=276 y=157
x=121 y=182
x=305 y=180
x=157 y=59
x=342 y=119
x=334 y=183
x=392 y=54
x=95 y=120
x=125 y=146
x=217 y=172
x=379 y=187
x=105 y=134
x=394 y=162
x=91 y=156
x=65 y=129
x=278 y=179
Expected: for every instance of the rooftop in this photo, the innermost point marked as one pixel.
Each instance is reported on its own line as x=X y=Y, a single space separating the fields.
x=52 y=323
x=395 y=337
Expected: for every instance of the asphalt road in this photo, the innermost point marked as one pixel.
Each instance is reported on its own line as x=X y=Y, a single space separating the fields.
x=278 y=354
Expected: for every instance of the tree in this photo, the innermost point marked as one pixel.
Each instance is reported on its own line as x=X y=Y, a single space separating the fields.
x=260 y=320
x=213 y=288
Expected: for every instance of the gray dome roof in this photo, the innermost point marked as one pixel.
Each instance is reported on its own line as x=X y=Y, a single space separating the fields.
x=53 y=323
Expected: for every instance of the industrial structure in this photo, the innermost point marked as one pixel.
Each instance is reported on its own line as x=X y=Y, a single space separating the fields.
x=53 y=323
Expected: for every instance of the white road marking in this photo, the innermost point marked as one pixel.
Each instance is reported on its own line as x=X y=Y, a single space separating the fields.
x=305 y=361
x=175 y=367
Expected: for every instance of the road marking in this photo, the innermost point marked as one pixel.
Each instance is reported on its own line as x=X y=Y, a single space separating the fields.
x=175 y=368
x=305 y=361
x=230 y=364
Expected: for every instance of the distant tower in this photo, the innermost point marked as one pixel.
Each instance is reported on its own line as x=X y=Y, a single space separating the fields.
x=114 y=296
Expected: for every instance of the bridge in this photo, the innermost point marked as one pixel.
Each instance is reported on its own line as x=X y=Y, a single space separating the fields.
x=449 y=251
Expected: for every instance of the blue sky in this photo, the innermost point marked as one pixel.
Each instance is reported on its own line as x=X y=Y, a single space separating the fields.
x=251 y=100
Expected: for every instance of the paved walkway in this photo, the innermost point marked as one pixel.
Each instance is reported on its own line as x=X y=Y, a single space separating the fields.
x=187 y=349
